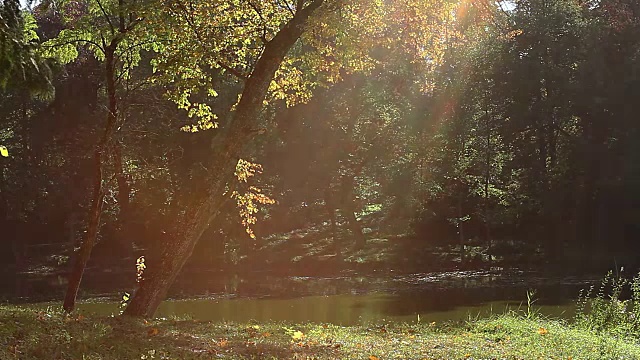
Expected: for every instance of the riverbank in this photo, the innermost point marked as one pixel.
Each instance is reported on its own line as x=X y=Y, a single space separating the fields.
x=29 y=334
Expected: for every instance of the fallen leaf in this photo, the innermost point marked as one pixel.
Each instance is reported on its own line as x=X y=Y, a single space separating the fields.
x=543 y=331
x=297 y=335
x=153 y=331
x=373 y=357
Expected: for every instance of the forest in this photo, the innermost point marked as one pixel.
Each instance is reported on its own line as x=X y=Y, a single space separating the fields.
x=316 y=136
x=319 y=179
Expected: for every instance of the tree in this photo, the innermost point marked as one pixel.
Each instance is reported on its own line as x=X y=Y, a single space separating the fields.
x=20 y=62
x=205 y=207
x=108 y=30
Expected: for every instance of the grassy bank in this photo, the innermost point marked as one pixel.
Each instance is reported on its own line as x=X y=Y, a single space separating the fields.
x=29 y=334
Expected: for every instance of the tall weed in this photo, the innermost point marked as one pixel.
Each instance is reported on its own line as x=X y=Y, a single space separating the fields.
x=608 y=310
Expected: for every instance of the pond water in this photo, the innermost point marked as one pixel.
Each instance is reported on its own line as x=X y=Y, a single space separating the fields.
x=353 y=299
x=335 y=309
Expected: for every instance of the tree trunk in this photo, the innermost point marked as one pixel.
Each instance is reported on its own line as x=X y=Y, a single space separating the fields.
x=124 y=243
x=354 y=227
x=97 y=198
x=487 y=181
x=461 y=230
x=203 y=209
x=331 y=211
x=82 y=256
x=349 y=209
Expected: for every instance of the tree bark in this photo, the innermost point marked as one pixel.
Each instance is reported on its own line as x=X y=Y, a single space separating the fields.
x=203 y=209
x=124 y=243
x=97 y=198
x=83 y=254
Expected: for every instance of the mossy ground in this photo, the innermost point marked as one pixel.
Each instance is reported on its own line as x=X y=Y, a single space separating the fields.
x=30 y=334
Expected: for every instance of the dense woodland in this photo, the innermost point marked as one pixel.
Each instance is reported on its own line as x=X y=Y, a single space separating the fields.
x=500 y=133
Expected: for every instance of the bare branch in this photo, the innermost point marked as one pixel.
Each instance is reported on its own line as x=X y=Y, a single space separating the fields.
x=286 y=5
x=68 y=42
x=106 y=16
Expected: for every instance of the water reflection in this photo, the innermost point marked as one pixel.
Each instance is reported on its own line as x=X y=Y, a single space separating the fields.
x=347 y=299
x=336 y=309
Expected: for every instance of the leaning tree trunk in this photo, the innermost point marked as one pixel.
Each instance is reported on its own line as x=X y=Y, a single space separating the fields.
x=97 y=198
x=202 y=210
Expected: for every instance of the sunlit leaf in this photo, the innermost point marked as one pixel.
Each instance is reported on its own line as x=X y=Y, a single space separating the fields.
x=4 y=151
x=297 y=335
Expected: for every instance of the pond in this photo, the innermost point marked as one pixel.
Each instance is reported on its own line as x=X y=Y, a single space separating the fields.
x=335 y=309
x=353 y=299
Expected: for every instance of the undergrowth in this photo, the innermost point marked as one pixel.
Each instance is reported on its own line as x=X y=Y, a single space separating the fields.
x=612 y=308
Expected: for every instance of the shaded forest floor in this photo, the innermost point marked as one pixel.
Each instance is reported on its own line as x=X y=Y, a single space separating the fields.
x=29 y=334
x=313 y=250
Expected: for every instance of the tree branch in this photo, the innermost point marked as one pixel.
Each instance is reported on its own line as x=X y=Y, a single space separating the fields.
x=232 y=70
x=106 y=16
x=263 y=36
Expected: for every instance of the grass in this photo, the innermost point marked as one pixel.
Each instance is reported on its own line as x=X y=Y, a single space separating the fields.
x=31 y=334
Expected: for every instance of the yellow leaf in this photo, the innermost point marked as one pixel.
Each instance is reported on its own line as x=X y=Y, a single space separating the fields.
x=542 y=331
x=4 y=151
x=297 y=335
